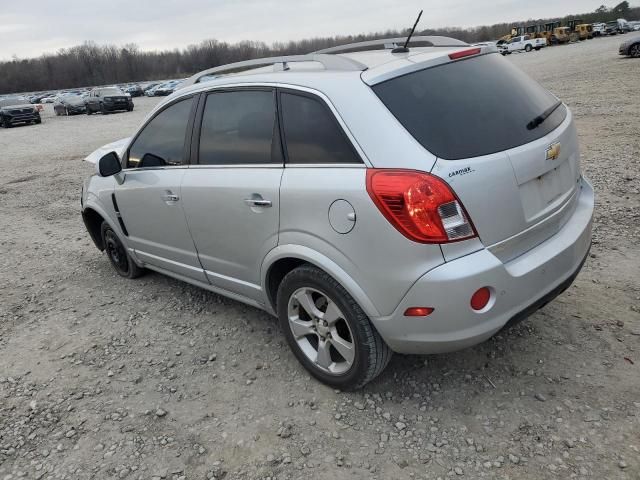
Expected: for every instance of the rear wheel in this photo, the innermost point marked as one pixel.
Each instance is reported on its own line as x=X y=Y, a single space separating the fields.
x=6 y=123
x=118 y=255
x=102 y=109
x=634 y=51
x=328 y=331
x=528 y=48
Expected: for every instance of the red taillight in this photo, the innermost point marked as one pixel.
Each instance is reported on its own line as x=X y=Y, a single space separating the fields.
x=418 y=311
x=464 y=53
x=480 y=298
x=420 y=206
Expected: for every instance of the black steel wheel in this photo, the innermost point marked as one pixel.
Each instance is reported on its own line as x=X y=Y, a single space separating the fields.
x=117 y=253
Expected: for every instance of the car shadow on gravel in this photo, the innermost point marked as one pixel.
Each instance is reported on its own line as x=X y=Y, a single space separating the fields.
x=477 y=364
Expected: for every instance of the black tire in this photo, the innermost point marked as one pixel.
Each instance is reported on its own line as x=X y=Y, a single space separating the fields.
x=38 y=121
x=130 y=109
x=120 y=259
x=102 y=109
x=88 y=109
x=634 y=50
x=6 y=123
x=528 y=48
x=371 y=352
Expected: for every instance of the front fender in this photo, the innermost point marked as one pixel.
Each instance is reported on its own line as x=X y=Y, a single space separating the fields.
x=321 y=261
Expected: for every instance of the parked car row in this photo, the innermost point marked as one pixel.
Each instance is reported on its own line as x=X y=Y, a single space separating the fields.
x=163 y=89
x=17 y=109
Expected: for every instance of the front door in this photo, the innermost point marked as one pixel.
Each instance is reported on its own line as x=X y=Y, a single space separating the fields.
x=231 y=197
x=150 y=198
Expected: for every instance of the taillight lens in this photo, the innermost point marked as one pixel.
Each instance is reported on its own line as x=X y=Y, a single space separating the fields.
x=420 y=206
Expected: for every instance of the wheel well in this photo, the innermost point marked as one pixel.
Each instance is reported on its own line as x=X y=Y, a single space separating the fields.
x=93 y=221
x=276 y=273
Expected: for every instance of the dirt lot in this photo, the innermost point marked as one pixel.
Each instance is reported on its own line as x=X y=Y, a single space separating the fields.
x=101 y=377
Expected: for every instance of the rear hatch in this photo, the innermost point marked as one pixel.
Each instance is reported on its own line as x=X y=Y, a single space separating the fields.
x=517 y=178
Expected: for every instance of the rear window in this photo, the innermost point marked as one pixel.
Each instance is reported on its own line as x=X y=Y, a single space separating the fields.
x=110 y=91
x=470 y=108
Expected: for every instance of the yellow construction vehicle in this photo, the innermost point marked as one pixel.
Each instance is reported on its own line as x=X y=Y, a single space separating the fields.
x=584 y=31
x=574 y=34
x=547 y=31
x=560 y=35
x=515 y=32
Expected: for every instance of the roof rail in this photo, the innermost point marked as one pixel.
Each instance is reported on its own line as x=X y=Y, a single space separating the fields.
x=426 y=41
x=329 y=62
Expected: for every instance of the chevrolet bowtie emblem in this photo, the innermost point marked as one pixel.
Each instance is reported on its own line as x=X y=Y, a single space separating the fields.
x=553 y=151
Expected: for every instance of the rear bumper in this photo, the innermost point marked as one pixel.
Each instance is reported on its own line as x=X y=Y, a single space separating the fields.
x=113 y=107
x=519 y=288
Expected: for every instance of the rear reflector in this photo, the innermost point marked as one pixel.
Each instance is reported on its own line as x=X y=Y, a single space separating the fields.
x=418 y=311
x=464 y=53
x=480 y=298
x=420 y=206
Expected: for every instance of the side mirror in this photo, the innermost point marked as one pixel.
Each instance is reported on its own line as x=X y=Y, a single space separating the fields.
x=109 y=165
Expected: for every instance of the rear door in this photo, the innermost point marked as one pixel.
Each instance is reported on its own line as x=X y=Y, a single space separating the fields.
x=150 y=198
x=231 y=196
x=511 y=173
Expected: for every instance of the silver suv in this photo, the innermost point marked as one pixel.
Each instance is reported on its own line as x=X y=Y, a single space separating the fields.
x=375 y=200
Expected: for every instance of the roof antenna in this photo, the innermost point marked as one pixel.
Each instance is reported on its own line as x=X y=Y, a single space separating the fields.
x=404 y=48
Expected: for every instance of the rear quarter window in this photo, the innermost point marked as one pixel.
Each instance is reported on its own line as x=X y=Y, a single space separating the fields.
x=471 y=107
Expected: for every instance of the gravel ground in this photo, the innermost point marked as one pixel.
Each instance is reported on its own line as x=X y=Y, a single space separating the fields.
x=101 y=377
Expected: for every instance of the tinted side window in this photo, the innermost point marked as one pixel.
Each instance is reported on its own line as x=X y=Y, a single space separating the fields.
x=161 y=142
x=312 y=134
x=237 y=128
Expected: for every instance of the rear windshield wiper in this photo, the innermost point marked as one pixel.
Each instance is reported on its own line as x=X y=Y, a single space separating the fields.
x=536 y=122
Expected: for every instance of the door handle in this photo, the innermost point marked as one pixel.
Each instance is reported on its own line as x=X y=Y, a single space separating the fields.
x=170 y=197
x=257 y=202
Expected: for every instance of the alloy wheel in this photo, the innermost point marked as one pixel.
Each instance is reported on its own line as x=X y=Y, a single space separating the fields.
x=321 y=331
x=634 y=51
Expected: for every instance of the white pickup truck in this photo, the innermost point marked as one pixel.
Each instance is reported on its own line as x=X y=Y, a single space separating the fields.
x=522 y=43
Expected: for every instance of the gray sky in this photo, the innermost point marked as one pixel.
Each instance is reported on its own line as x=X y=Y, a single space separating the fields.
x=30 y=28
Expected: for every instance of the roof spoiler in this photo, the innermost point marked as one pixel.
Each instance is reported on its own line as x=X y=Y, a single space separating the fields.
x=390 y=43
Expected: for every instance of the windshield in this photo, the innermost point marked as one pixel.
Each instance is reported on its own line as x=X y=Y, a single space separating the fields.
x=10 y=101
x=105 y=92
x=470 y=108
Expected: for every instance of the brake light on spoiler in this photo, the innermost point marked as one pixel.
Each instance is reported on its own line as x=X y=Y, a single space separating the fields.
x=464 y=53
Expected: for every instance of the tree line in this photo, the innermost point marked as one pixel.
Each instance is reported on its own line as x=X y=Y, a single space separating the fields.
x=91 y=64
